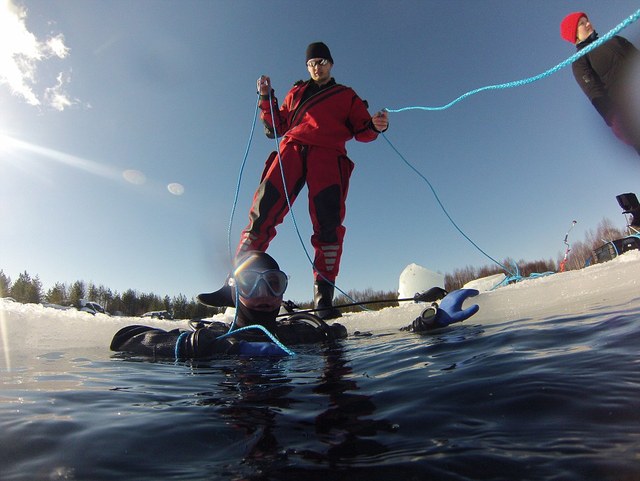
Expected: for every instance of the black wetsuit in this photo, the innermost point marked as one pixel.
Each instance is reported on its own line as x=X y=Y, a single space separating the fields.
x=606 y=77
x=205 y=341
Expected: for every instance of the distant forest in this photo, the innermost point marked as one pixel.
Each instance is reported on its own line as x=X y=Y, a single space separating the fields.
x=29 y=289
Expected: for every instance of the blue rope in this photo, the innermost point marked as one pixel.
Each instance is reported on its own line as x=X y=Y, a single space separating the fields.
x=178 y=352
x=440 y=203
x=239 y=181
x=513 y=276
x=518 y=83
x=263 y=329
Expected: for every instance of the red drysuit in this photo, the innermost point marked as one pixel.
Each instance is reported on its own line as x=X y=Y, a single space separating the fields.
x=316 y=123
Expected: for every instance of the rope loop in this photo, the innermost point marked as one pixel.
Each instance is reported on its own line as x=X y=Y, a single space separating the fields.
x=273 y=338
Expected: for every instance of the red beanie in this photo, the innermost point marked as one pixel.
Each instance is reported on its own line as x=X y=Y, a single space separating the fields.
x=569 y=26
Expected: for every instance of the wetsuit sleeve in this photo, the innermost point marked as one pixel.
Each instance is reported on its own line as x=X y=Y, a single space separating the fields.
x=146 y=341
x=159 y=344
x=593 y=87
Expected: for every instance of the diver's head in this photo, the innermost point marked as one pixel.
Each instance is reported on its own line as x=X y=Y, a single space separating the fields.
x=260 y=285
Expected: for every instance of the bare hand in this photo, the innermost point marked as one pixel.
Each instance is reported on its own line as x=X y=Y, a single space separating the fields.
x=264 y=85
x=381 y=120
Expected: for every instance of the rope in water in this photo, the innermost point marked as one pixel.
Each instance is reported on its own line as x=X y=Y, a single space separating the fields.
x=518 y=83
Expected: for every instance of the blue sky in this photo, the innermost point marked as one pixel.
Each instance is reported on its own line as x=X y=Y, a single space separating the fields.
x=122 y=137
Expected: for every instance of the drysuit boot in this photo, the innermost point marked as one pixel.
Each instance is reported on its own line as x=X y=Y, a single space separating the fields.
x=323 y=300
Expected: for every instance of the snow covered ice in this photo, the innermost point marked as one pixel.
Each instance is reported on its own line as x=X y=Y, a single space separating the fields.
x=615 y=283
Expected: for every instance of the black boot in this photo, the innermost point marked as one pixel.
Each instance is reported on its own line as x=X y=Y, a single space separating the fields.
x=323 y=300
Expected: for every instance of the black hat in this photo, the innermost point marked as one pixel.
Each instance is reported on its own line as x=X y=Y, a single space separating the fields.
x=318 y=50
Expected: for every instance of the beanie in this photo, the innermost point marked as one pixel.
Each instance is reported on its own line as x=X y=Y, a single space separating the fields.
x=318 y=50
x=569 y=26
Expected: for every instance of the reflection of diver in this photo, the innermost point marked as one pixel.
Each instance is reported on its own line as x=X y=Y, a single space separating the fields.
x=259 y=285
x=343 y=425
x=257 y=399
x=260 y=404
x=279 y=435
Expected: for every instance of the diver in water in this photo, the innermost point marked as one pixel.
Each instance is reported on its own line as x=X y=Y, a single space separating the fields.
x=259 y=285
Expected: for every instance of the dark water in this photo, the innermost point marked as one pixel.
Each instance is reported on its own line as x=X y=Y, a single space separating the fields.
x=551 y=399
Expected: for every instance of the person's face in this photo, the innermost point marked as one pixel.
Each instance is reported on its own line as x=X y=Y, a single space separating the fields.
x=262 y=299
x=321 y=74
x=261 y=290
x=584 y=29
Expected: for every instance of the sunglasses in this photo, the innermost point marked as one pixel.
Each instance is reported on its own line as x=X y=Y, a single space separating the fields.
x=314 y=63
x=246 y=281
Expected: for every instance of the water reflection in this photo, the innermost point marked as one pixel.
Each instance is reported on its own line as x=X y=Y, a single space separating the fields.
x=288 y=424
x=346 y=426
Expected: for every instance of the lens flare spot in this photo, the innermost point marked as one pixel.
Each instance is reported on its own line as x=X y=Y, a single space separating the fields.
x=175 y=188
x=134 y=177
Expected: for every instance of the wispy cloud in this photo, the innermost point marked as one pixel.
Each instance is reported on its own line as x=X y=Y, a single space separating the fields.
x=21 y=52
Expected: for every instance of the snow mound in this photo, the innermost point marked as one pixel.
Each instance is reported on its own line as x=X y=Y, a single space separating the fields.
x=415 y=278
x=485 y=283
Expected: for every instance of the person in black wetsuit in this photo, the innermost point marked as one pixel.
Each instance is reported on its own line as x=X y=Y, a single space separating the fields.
x=259 y=285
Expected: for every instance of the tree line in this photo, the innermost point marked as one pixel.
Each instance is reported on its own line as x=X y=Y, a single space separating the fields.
x=131 y=303
x=27 y=289
x=579 y=255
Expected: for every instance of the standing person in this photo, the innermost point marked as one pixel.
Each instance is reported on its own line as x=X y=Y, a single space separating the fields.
x=316 y=119
x=604 y=75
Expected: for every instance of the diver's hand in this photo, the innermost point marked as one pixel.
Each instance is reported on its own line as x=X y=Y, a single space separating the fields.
x=450 y=309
